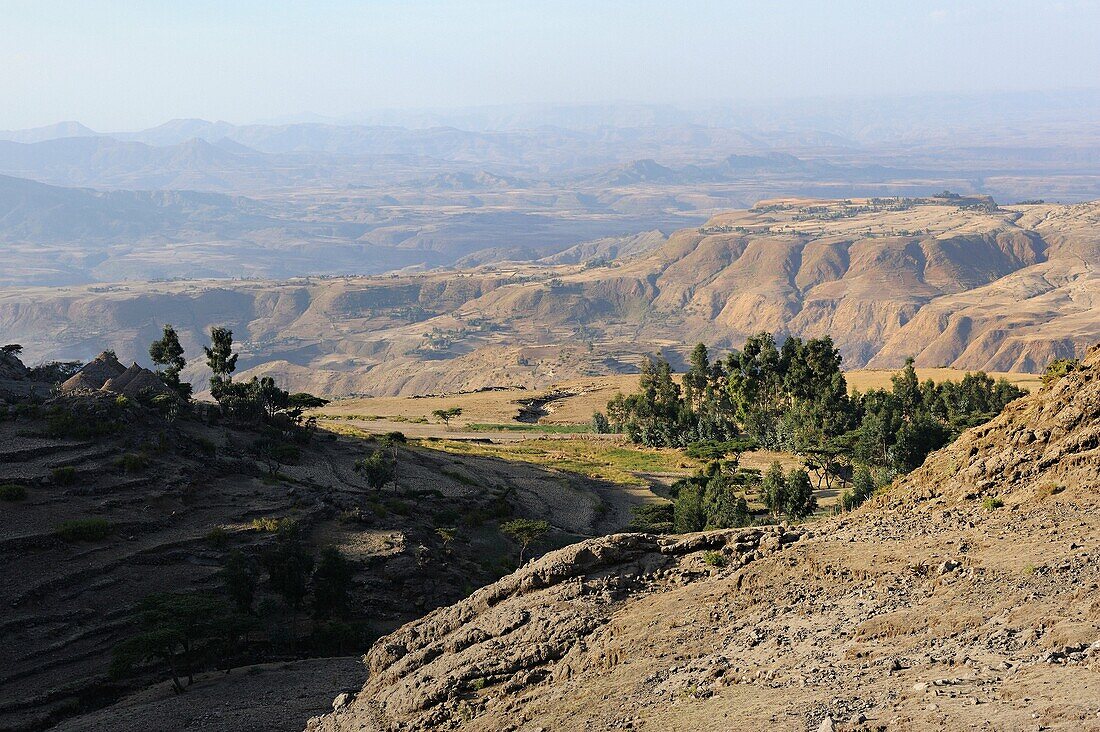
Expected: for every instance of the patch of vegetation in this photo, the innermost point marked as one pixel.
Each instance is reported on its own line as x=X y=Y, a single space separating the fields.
x=990 y=503
x=653 y=518
x=74 y=422
x=217 y=537
x=132 y=462
x=12 y=492
x=715 y=559
x=1058 y=368
x=88 y=529
x=598 y=459
x=794 y=398
x=525 y=532
x=714 y=498
x=64 y=475
x=271 y=524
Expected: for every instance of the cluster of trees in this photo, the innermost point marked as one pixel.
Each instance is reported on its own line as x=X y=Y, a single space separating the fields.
x=189 y=632
x=258 y=403
x=794 y=398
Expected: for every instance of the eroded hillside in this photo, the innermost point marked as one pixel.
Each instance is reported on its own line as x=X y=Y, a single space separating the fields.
x=104 y=502
x=964 y=597
x=953 y=282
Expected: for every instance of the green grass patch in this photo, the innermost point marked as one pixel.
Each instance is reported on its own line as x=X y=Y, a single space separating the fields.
x=12 y=492
x=592 y=458
x=990 y=503
x=89 y=529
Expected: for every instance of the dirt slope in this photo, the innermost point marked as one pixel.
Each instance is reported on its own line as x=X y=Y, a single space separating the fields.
x=930 y=609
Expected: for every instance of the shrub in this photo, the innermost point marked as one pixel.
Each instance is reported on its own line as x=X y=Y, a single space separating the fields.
x=205 y=446
x=65 y=475
x=271 y=524
x=990 y=503
x=89 y=529
x=715 y=559
x=12 y=492
x=217 y=537
x=652 y=518
x=132 y=462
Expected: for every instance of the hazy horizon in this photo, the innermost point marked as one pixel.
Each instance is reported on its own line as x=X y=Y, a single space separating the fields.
x=117 y=66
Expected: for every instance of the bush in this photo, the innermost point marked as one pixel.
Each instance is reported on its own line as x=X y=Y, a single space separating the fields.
x=715 y=559
x=990 y=503
x=132 y=462
x=89 y=529
x=217 y=537
x=205 y=446
x=270 y=524
x=652 y=518
x=12 y=492
x=65 y=475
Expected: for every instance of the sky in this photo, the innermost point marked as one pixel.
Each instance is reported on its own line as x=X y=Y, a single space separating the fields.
x=125 y=64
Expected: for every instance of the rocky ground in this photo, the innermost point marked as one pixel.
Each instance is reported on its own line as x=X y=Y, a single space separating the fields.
x=966 y=596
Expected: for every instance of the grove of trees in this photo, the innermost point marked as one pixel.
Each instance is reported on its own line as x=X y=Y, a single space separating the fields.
x=794 y=398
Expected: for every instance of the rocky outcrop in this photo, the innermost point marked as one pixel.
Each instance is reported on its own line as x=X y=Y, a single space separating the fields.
x=528 y=627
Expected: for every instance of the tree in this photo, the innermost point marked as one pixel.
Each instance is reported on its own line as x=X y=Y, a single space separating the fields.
x=377 y=469
x=774 y=489
x=600 y=424
x=13 y=348
x=688 y=513
x=168 y=352
x=863 y=486
x=239 y=580
x=800 y=495
x=177 y=629
x=525 y=532
x=288 y=565
x=446 y=415
x=274 y=453
x=221 y=359
x=331 y=585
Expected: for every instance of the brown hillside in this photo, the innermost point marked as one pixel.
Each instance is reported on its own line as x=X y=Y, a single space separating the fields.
x=965 y=285
x=927 y=610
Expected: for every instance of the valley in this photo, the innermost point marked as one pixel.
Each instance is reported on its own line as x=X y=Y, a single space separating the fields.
x=964 y=284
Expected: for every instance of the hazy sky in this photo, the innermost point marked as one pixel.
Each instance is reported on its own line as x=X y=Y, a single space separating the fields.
x=118 y=64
